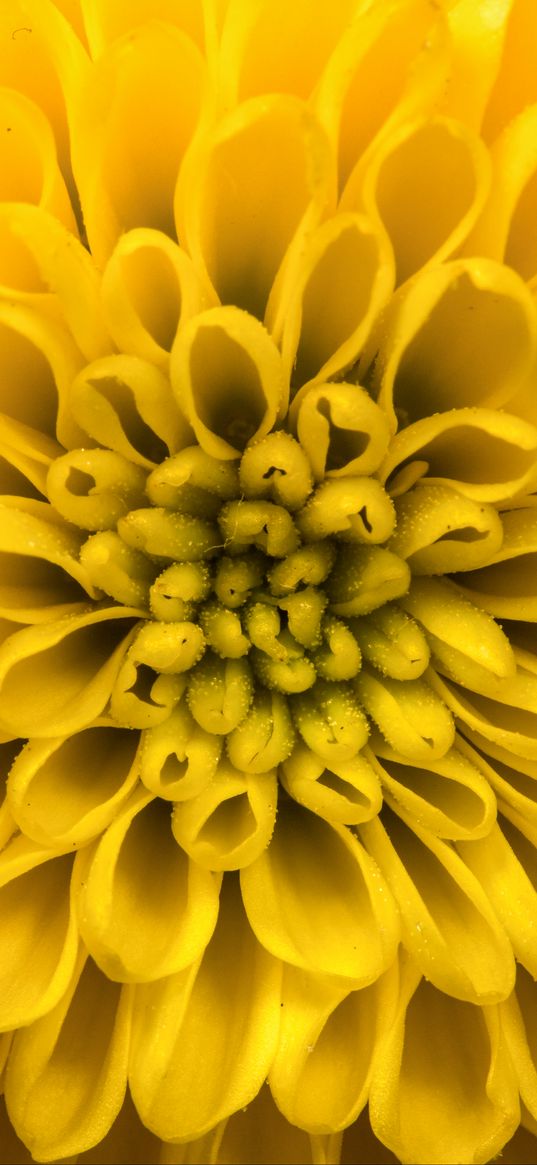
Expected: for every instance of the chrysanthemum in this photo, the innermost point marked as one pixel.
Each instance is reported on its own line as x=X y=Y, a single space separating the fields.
x=268 y=542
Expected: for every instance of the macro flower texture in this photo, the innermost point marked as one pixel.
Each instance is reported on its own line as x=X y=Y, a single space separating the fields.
x=268 y=581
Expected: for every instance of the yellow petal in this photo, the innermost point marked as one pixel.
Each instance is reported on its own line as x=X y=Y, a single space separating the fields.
x=509 y=889
x=322 y=1070
x=409 y=714
x=200 y=1053
x=514 y=86
x=344 y=791
x=449 y=796
x=39 y=933
x=152 y=78
x=230 y=822
x=504 y=723
x=343 y=280
x=317 y=900
x=265 y=162
x=68 y=1071
x=149 y=286
x=443 y=1087
x=25 y=458
x=513 y=778
x=37 y=355
x=404 y=42
x=63 y=792
x=341 y=429
x=448 y=924
x=506 y=587
x=477 y=34
x=436 y=355
x=440 y=530
x=178 y=758
x=57 y=677
x=518 y=1021
x=28 y=163
x=41 y=263
x=485 y=455
x=425 y=184
x=105 y=23
x=126 y=404
x=227 y=377
x=451 y=622
x=145 y=910
x=40 y=567
x=259 y=46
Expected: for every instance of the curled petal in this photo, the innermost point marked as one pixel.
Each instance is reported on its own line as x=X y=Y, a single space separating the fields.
x=366 y=577
x=341 y=429
x=443 y=1084
x=38 y=361
x=425 y=184
x=220 y=693
x=315 y=899
x=80 y=1048
x=392 y=642
x=355 y=508
x=105 y=23
x=506 y=587
x=149 y=287
x=230 y=822
x=40 y=565
x=343 y=280
x=199 y=1053
x=152 y=77
x=448 y=924
x=518 y=1022
x=322 y=1070
x=39 y=935
x=178 y=759
x=266 y=161
x=94 y=488
x=411 y=717
x=228 y=380
x=435 y=353
x=64 y=791
x=456 y=628
x=440 y=531
x=508 y=887
x=449 y=796
x=265 y=737
x=259 y=46
x=25 y=458
x=513 y=778
x=405 y=42
x=346 y=792
x=514 y=86
x=56 y=677
x=484 y=454
x=126 y=404
x=42 y=263
x=28 y=163
x=145 y=910
x=500 y=720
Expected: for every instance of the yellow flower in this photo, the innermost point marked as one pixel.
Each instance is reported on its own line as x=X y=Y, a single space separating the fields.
x=268 y=542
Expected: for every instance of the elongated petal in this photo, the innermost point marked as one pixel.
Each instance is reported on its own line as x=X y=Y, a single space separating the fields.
x=68 y=1071
x=321 y=1074
x=57 y=677
x=145 y=910
x=448 y=924
x=227 y=378
x=200 y=1054
x=63 y=792
x=268 y=153
x=294 y=901
x=148 y=74
x=39 y=938
x=443 y=1085
x=230 y=822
